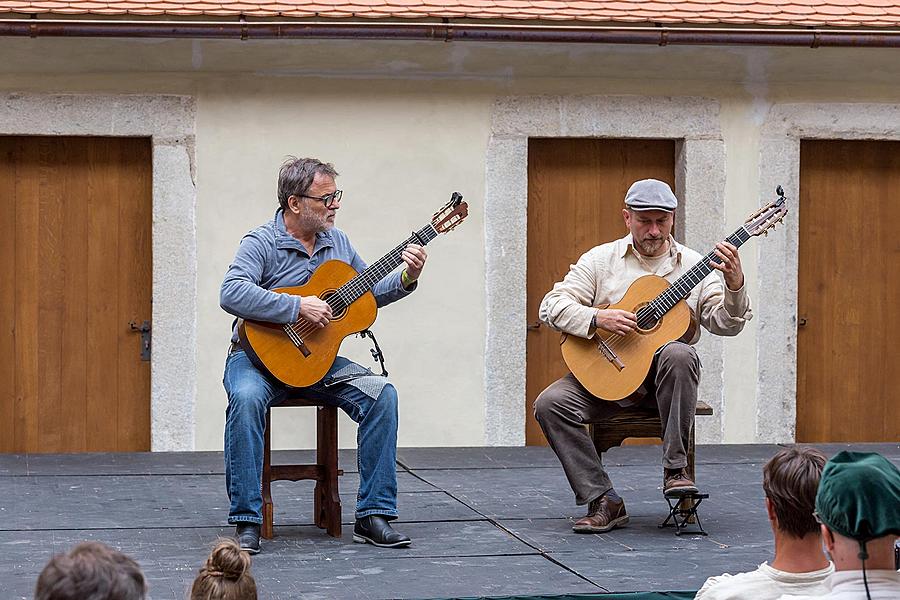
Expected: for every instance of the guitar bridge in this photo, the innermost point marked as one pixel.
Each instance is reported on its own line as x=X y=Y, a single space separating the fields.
x=296 y=340
x=608 y=353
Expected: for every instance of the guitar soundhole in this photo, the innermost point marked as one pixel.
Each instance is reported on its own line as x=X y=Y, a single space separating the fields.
x=338 y=310
x=646 y=318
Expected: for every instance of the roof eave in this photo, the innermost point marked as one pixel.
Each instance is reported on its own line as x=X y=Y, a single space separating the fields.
x=449 y=31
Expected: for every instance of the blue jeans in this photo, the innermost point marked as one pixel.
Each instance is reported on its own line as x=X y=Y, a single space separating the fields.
x=251 y=392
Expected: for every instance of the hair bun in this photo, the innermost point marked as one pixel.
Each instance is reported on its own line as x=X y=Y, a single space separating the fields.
x=227 y=560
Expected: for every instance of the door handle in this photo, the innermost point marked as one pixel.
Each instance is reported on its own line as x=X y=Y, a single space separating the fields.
x=144 y=330
x=534 y=326
x=801 y=322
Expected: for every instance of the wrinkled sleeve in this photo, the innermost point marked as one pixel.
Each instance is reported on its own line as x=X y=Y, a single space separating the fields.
x=568 y=306
x=241 y=294
x=723 y=311
x=390 y=289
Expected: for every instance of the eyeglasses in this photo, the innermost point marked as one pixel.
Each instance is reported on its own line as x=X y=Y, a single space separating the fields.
x=328 y=199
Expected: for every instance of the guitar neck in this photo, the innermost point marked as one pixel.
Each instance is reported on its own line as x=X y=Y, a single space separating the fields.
x=682 y=286
x=365 y=281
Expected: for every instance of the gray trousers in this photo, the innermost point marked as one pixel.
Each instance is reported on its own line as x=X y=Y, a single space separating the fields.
x=565 y=407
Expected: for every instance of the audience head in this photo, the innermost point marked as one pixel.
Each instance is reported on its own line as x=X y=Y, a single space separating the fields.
x=790 y=481
x=91 y=571
x=858 y=505
x=226 y=575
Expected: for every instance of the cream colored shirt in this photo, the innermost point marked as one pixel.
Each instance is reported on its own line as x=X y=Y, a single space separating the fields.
x=602 y=276
x=765 y=583
x=884 y=584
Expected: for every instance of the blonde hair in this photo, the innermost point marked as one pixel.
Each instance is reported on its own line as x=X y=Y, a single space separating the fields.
x=226 y=574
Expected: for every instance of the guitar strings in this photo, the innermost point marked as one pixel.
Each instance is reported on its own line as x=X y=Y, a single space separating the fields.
x=669 y=298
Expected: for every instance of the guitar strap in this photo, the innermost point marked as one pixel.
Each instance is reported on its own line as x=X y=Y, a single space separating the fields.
x=376 y=351
x=361 y=377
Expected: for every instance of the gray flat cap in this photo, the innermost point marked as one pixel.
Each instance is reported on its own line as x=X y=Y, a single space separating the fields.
x=651 y=194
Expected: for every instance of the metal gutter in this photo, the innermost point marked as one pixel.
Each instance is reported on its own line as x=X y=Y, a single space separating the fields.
x=451 y=32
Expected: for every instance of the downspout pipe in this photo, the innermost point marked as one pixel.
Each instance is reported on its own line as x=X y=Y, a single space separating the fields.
x=266 y=30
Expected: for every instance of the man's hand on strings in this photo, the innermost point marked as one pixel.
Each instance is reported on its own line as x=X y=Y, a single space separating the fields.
x=414 y=256
x=315 y=311
x=616 y=321
x=730 y=265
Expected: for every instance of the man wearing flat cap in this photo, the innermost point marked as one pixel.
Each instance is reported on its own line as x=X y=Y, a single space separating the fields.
x=858 y=506
x=601 y=277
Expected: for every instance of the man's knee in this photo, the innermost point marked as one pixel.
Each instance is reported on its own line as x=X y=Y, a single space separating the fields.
x=545 y=404
x=246 y=400
x=679 y=356
x=387 y=399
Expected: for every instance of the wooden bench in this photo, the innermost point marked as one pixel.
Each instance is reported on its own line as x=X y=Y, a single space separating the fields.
x=325 y=471
x=643 y=422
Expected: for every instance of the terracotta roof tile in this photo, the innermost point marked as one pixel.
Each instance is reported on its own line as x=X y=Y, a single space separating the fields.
x=868 y=10
x=820 y=13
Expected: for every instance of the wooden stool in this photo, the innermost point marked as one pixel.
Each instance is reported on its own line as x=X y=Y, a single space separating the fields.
x=325 y=472
x=639 y=421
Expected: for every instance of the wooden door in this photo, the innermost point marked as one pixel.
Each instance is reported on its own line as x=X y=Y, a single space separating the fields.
x=75 y=247
x=576 y=191
x=849 y=287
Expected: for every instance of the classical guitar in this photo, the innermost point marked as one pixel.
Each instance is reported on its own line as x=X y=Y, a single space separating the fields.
x=299 y=354
x=612 y=366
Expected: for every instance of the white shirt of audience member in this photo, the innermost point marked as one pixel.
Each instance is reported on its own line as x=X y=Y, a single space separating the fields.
x=765 y=583
x=884 y=584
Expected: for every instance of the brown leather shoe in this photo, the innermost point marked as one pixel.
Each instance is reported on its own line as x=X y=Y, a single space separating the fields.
x=677 y=483
x=603 y=515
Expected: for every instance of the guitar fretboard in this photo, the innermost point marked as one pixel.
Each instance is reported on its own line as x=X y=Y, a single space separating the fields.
x=365 y=281
x=682 y=286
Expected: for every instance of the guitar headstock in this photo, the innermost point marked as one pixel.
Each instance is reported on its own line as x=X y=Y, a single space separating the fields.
x=768 y=216
x=451 y=214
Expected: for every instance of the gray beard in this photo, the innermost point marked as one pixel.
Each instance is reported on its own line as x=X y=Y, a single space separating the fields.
x=648 y=250
x=309 y=221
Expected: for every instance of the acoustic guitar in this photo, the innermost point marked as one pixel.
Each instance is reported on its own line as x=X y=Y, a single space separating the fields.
x=299 y=354
x=612 y=366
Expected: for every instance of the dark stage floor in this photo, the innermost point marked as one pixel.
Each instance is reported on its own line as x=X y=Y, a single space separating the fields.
x=484 y=522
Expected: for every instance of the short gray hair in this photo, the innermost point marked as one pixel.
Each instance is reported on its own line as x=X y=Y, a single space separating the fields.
x=296 y=176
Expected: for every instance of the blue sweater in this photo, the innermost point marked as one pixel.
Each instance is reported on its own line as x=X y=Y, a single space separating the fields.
x=269 y=257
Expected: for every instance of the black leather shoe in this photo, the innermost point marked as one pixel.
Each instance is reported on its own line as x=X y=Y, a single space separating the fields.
x=376 y=530
x=247 y=535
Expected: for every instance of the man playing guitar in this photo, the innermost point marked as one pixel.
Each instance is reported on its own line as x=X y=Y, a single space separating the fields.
x=285 y=252
x=601 y=277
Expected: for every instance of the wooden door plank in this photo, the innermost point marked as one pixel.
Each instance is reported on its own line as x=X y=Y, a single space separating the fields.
x=101 y=409
x=135 y=271
x=576 y=189
x=74 y=309
x=51 y=198
x=28 y=190
x=8 y=201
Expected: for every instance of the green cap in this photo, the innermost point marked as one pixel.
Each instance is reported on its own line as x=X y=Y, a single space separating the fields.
x=859 y=495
